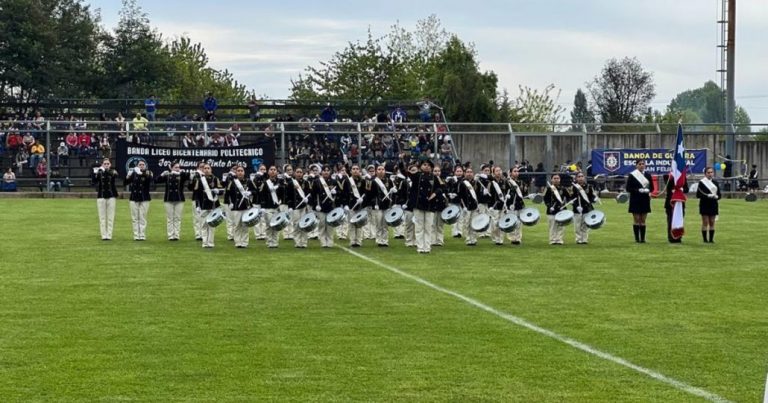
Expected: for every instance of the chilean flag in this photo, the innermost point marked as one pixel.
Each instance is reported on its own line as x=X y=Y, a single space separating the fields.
x=679 y=170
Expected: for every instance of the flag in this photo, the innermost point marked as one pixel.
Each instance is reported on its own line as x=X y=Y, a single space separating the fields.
x=679 y=170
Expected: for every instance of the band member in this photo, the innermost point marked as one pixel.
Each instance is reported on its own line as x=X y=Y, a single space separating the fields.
x=518 y=190
x=260 y=229
x=287 y=177
x=639 y=186
x=268 y=193
x=206 y=189
x=583 y=196
x=342 y=200
x=382 y=194
x=139 y=180
x=324 y=192
x=421 y=194
x=499 y=188
x=173 y=199
x=228 y=218
x=554 y=202
x=197 y=220
x=753 y=175
x=369 y=229
x=439 y=203
x=239 y=193
x=467 y=194
x=400 y=182
x=106 y=194
x=452 y=188
x=483 y=189
x=297 y=195
x=708 y=193
x=669 y=207
x=356 y=187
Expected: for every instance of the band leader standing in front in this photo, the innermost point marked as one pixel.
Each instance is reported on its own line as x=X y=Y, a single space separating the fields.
x=139 y=180
x=708 y=193
x=173 y=199
x=639 y=186
x=106 y=195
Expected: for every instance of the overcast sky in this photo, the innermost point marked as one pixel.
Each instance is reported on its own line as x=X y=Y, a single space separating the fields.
x=534 y=43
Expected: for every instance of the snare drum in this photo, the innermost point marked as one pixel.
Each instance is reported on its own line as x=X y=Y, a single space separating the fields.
x=529 y=216
x=594 y=219
x=481 y=222
x=215 y=218
x=750 y=197
x=335 y=217
x=308 y=222
x=359 y=219
x=394 y=216
x=279 y=221
x=252 y=216
x=451 y=214
x=564 y=217
x=622 y=197
x=536 y=198
x=509 y=223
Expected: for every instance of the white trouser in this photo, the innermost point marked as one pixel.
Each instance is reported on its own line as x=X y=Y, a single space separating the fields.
x=342 y=231
x=356 y=234
x=240 y=231
x=290 y=229
x=324 y=231
x=299 y=237
x=470 y=236
x=424 y=225
x=460 y=227
x=483 y=209
x=229 y=220
x=517 y=234
x=556 y=232
x=106 y=208
x=139 y=212
x=380 y=224
x=410 y=230
x=272 y=235
x=580 y=228
x=260 y=229
x=369 y=230
x=438 y=232
x=496 y=235
x=173 y=211
x=198 y=221
x=206 y=232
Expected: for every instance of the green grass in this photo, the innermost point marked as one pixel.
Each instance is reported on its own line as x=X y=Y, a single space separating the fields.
x=85 y=320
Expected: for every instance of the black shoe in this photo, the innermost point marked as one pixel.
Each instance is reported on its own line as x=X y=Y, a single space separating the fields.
x=355 y=245
x=240 y=247
x=457 y=236
x=471 y=244
x=515 y=242
x=198 y=239
x=382 y=245
x=399 y=237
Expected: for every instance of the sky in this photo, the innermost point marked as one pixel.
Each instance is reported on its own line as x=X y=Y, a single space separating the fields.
x=531 y=43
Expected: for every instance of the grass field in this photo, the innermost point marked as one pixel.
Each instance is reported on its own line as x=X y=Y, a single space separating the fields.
x=85 y=320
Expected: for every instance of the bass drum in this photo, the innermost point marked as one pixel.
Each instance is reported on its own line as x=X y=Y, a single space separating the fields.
x=308 y=222
x=359 y=219
x=335 y=217
x=279 y=221
x=394 y=216
x=594 y=219
x=564 y=217
x=215 y=218
x=529 y=216
x=481 y=222
x=509 y=222
x=451 y=214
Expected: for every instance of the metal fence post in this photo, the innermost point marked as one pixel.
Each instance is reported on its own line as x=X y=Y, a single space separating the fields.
x=359 y=144
x=584 y=145
x=437 y=145
x=282 y=143
x=512 y=145
x=48 y=156
x=548 y=152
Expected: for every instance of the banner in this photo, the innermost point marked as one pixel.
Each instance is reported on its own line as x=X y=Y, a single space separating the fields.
x=658 y=161
x=159 y=159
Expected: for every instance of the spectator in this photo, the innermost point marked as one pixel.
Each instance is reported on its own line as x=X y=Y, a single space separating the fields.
x=540 y=179
x=38 y=123
x=104 y=146
x=22 y=157
x=253 y=109
x=84 y=146
x=216 y=140
x=72 y=142
x=424 y=112
x=36 y=151
x=28 y=140
x=399 y=115
x=446 y=151
x=9 y=181
x=230 y=140
x=63 y=153
x=150 y=107
x=188 y=141
x=140 y=123
x=13 y=142
x=201 y=140
x=41 y=169
x=210 y=105
x=120 y=120
x=328 y=114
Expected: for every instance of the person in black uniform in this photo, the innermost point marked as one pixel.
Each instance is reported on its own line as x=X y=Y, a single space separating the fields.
x=639 y=186
x=139 y=180
x=205 y=191
x=452 y=189
x=439 y=203
x=583 y=195
x=324 y=191
x=106 y=195
x=421 y=194
x=499 y=187
x=554 y=200
x=669 y=207
x=197 y=220
x=356 y=189
x=268 y=195
x=753 y=185
x=482 y=187
x=708 y=193
x=173 y=199
x=402 y=184
x=382 y=194
x=518 y=189
x=343 y=200
x=297 y=194
x=467 y=194
x=239 y=199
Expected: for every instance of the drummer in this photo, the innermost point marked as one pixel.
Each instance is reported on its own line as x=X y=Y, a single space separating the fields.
x=439 y=203
x=355 y=189
x=298 y=192
x=324 y=192
x=239 y=193
x=197 y=221
x=517 y=190
x=708 y=193
x=342 y=200
x=583 y=196
x=468 y=197
x=382 y=193
x=409 y=229
x=499 y=188
x=639 y=186
x=483 y=189
x=555 y=203
x=173 y=198
x=286 y=177
x=452 y=189
x=228 y=218
x=205 y=191
x=260 y=229
x=268 y=193
x=422 y=193
x=369 y=229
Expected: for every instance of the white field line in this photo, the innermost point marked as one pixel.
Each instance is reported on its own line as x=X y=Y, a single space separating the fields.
x=546 y=332
x=765 y=396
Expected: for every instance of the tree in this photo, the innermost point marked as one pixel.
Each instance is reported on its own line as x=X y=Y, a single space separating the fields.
x=741 y=120
x=707 y=101
x=581 y=114
x=538 y=107
x=621 y=91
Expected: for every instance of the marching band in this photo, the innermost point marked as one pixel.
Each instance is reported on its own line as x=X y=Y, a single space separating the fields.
x=415 y=201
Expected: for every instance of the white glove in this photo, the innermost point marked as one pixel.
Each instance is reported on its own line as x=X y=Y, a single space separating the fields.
x=506 y=197
x=333 y=191
x=579 y=209
x=376 y=207
x=137 y=170
x=247 y=194
x=401 y=176
x=409 y=182
x=712 y=196
x=259 y=174
x=346 y=208
x=483 y=176
x=644 y=191
x=96 y=170
x=165 y=173
x=198 y=210
x=305 y=199
x=392 y=177
x=404 y=206
x=452 y=195
x=225 y=176
x=360 y=200
x=230 y=206
x=552 y=209
x=318 y=208
x=290 y=211
x=393 y=190
x=486 y=192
